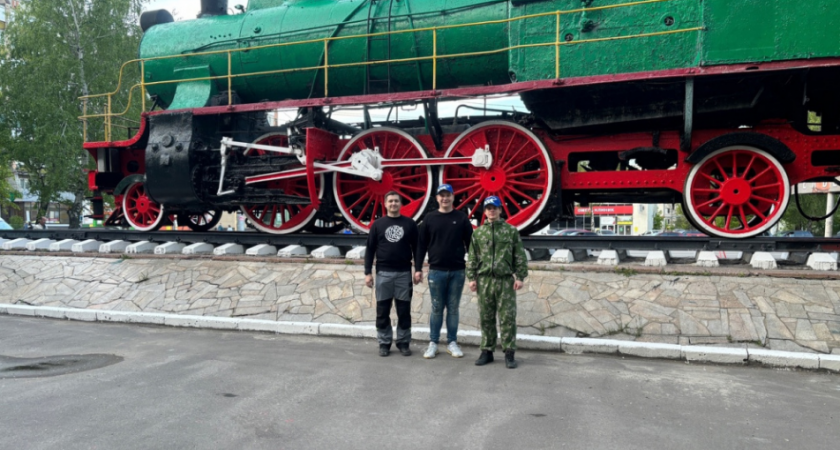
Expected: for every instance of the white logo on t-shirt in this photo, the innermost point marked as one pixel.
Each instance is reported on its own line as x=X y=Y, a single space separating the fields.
x=394 y=233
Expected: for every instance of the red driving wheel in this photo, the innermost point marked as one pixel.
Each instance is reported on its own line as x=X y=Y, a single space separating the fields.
x=736 y=192
x=281 y=218
x=360 y=199
x=522 y=174
x=141 y=212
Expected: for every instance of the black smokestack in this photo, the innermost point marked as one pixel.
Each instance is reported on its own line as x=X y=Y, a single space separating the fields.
x=213 y=8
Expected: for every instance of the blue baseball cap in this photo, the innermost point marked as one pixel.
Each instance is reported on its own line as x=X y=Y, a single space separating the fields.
x=494 y=201
x=445 y=187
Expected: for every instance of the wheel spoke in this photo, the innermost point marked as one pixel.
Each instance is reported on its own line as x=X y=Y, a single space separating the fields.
x=708 y=203
x=767 y=186
x=722 y=171
x=522 y=183
x=526 y=174
x=729 y=218
x=409 y=188
x=760 y=174
x=763 y=199
x=522 y=163
x=710 y=178
x=743 y=217
x=522 y=194
x=749 y=166
x=756 y=211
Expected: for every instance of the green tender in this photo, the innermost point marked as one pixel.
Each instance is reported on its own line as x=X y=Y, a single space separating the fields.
x=733 y=31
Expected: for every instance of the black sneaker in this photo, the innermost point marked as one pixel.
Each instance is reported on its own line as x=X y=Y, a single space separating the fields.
x=384 y=349
x=485 y=358
x=510 y=362
x=404 y=350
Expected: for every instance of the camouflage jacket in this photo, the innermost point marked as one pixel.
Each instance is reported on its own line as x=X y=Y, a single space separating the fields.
x=496 y=250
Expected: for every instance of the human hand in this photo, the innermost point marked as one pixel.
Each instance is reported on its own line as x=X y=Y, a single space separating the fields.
x=473 y=286
x=517 y=285
x=369 y=281
x=418 y=277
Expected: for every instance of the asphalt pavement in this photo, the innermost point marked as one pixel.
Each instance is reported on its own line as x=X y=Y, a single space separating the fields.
x=147 y=387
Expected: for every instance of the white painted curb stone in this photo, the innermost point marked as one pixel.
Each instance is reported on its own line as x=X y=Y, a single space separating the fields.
x=229 y=249
x=707 y=259
x=63 y=246
x=577 y=346
x=90 y=245
x=170 y=248
x=262 y=250
x=785 y=359
x=3 y=241
x=114 y=247
x=715 y=354
x=326 y=251
x=649 y=350
x=15 y=244
x=563 y=256
x=608 y=258
x=656 y=259
x=830 y=362
x=199 y=248
x=141 y=248
x=763 y=260
x=40 y=244
x=356 y=253
x=292 y=250
x=821 y=261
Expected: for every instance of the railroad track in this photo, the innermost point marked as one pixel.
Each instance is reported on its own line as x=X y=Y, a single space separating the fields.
x=619 y=243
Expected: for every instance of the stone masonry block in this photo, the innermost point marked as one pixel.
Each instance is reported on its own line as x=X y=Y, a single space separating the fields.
x=199 y=248
x=763 y=260
x=83 y=315
x=530 y=342
x=130 y=317
x=141 y=247
x=270 y=326
x=16 y=244
x=20 y=310
x=563 y=256
x=299 y=328
x=356 y=253
x=50 y=312
x=63 y=246
x=90 y=245
x=170 y=248
x=577 y=346
x=291 y=251
x=649 y=350
x=183 y=321
x=822 y=261
x=114 y=247
x=326 y=251
x=341 y=330
x=784 y=359
x=707 y=259
x=40 y=244
x=716 y=355
x=656 y=259
x=262 y=250
x=830 y=362
x=608 y=258
x=229 y=249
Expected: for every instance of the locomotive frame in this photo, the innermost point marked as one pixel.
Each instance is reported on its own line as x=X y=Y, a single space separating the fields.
x=730 y=159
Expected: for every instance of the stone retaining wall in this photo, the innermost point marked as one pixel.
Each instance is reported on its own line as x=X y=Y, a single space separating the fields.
x=781 y=313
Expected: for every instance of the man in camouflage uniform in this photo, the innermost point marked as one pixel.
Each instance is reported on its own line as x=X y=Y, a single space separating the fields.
x=497 y=267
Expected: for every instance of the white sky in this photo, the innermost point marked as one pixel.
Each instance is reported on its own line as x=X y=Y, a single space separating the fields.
x=180 y=9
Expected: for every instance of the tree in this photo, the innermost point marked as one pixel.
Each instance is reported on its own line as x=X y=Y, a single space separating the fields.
x=680 y=222
x=658 y=220
x=814 y=205
x=57 y=52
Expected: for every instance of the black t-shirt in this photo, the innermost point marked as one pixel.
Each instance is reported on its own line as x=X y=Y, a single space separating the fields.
x=394 y=243
x=446 y=237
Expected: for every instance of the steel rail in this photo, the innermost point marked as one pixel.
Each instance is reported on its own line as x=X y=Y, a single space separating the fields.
x=764 y=244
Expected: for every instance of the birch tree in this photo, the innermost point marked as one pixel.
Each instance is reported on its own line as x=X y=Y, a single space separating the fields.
x=56 y=52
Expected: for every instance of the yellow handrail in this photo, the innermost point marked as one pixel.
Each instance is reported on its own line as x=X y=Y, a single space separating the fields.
x=557 y=43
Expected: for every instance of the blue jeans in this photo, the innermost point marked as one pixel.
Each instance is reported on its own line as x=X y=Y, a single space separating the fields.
x=445 y=288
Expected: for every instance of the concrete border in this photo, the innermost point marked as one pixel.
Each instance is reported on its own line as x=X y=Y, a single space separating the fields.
x=689 y=353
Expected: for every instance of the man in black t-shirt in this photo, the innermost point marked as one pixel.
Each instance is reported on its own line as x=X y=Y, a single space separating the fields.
x=393 y=242
x=446 y=234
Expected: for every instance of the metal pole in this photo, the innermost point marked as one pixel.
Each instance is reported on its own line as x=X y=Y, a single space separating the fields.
x=143 y=86
x=557 y=49
x=230 y=79
x=829 y=222
x=326 y=67
x=434 y=59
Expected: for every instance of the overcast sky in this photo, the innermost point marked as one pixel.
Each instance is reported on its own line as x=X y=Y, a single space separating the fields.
x=180 y=9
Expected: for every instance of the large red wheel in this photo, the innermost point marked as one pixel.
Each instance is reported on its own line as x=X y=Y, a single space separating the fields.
x=282 y=218
x=141 y=212
x=522 y=174
x=736 y=192
x=360 y=199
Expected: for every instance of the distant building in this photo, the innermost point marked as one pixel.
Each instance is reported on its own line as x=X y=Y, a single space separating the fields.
x=26 y=203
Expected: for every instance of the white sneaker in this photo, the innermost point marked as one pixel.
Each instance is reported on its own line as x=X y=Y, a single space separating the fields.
x=454 y=350
x=432 y=351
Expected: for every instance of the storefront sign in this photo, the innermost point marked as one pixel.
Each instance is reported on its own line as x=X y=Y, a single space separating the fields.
x=604 y=210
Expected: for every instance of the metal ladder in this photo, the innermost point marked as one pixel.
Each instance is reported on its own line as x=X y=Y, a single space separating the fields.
x=371 y=83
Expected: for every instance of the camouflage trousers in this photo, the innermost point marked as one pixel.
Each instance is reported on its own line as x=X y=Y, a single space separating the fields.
x=496 y=296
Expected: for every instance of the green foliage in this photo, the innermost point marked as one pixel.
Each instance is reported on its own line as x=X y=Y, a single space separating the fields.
x=814 y=205
x=57 y=52
x=16 y=222
x=658 y=220
x=680 y=222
